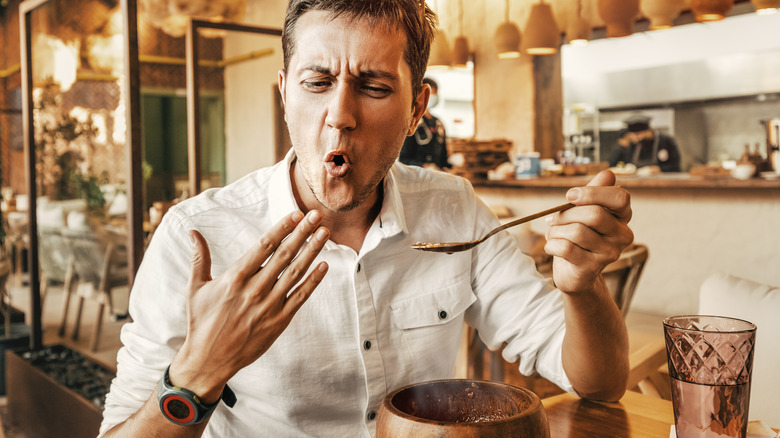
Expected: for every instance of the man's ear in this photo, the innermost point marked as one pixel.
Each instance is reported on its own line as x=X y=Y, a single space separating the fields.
x=281 y=80
x=419 y=107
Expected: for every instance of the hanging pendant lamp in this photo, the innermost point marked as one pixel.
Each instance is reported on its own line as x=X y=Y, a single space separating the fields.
x=578 y=31
x=460 y=50
x=710 y=10
x=766 y=7
x=619 y=16
x=661 y=12
x=507 y=38
x=542 y=36
x=441 y=54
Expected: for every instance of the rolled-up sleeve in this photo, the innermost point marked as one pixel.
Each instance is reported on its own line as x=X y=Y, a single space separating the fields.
x=158 y=327
x=517 y=306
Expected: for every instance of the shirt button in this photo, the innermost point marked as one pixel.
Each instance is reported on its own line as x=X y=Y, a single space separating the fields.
x=442 y=314
x=367 y=344
x=371 y=415
x=358 y=267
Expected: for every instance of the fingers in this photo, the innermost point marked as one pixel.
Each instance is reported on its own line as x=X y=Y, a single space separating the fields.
x=253 y=260
x=568 y=241
x=201 y=261
x=299 y=296
x=603 y=178
x=294 y=255
x=602 y=191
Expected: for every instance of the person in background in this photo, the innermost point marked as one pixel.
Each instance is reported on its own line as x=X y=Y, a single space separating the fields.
x=291 y=302
x=642 y=146
x=619 y=155
x=427 y=147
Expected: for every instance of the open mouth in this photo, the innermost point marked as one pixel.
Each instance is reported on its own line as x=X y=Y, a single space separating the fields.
x=337 y=164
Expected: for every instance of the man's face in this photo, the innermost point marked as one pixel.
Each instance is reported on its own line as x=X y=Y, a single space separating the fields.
x=348 y=105
x=639 y=136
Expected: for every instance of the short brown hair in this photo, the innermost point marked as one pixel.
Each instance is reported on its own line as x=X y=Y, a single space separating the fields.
x=414 y=17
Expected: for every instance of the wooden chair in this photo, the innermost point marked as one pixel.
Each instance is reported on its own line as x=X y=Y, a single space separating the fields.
x=100 y=265
x=54 y=259
x=622 y=275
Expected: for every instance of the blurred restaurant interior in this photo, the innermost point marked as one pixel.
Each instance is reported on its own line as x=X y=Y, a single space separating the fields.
x=111 y=111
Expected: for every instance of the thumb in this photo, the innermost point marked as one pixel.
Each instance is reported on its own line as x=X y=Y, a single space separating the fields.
x=603 y=178
x=201 y=261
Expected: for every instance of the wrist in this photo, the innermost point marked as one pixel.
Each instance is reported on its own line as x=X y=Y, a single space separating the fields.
x=184 y=407
x=207 y=385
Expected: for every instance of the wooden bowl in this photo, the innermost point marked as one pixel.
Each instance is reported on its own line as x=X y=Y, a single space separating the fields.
x=462 y=408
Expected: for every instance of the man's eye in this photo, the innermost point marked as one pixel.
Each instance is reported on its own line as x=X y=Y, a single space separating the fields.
x=375 y=91
x=316 y=85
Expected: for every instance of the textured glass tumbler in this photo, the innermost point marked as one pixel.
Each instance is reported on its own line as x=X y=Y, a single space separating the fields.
x=710 y=360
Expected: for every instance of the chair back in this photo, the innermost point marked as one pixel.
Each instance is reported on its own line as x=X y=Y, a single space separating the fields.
x=622 y=275
x=727 y=295
x=53 y=253
x=96 y=258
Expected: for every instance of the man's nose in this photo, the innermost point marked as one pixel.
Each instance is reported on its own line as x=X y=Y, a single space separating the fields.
x=343 y=108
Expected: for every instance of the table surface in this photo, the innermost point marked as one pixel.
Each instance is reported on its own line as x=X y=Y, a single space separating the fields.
x=634 y=416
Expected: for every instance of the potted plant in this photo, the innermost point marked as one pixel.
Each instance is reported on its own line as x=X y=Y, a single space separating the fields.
x=56 y=383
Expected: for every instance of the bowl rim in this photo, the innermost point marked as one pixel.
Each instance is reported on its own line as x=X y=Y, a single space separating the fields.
x=536 y=402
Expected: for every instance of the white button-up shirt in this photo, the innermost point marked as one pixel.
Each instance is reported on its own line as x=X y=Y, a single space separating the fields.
x=382 y=318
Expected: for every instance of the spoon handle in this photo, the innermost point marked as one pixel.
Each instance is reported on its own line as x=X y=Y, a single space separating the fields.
x=530 y=217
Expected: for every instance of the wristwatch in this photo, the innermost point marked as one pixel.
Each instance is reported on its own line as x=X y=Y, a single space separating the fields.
x=182 y=406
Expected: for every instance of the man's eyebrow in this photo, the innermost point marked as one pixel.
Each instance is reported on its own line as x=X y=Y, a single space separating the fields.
x=317 y=69
x=368 y=74
x=377 y=74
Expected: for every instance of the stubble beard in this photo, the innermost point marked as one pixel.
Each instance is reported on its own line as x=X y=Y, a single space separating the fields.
x=364 y=193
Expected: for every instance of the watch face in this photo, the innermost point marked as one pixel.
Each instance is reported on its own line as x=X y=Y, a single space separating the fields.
x=178 y=409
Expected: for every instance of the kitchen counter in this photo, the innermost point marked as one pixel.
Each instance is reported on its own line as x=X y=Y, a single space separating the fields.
x=666 y=180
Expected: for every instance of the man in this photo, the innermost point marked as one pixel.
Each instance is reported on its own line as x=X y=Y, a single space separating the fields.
x=427 y=147
x=311 y=319
x=642 y=146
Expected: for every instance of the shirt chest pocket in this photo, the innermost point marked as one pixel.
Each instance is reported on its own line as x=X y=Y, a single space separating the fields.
x=433 y=308
x=429 y=328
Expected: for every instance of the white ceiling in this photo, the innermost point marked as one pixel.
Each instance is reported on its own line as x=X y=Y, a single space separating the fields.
x=739 y=34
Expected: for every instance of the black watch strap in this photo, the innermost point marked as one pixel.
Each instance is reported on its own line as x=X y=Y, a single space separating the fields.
x=182 y=406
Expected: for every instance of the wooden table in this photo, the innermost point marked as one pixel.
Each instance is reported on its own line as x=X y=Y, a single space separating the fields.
x=634 y=416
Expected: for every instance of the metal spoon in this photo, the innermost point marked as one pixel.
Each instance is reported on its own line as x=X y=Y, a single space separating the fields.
x=451 y=247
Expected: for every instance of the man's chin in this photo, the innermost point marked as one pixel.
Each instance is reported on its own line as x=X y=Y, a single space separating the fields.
x=342 y=205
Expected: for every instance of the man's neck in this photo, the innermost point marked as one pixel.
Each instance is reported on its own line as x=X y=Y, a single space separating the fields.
x=346 y=227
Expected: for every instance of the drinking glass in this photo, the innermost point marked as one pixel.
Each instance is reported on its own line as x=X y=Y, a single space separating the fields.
x=710 y=361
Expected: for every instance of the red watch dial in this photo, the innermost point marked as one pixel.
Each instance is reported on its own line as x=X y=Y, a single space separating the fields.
x=178 y=409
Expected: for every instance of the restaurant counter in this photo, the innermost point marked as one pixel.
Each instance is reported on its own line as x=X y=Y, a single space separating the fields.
x=665 y=180
x=692 y=226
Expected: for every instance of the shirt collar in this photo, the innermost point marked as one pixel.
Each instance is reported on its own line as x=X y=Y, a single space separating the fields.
x=391 y=217
x=281 y=200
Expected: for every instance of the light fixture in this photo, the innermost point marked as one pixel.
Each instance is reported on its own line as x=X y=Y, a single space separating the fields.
x=441 y=54
x=578 y=31
x=172 y=15
x=710 y=10
x=460 y=50
x=507 y=38
x=661 y=12
x=542 y=36
x=765 y=7
x=55 y=60
x=619 y=16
